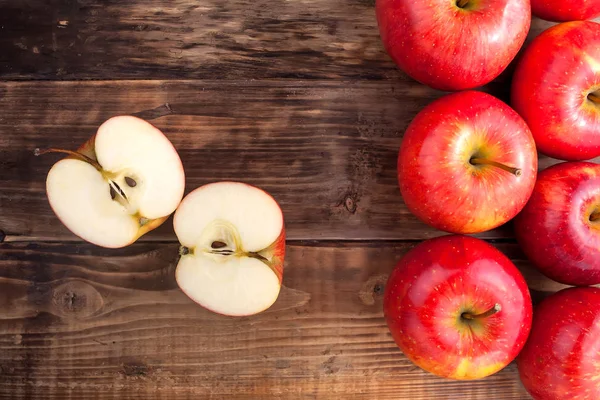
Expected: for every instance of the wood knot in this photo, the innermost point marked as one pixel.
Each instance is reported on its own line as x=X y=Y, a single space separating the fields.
x=349 y=201
x=350 y=204
x=373 y=289
x=76 y=299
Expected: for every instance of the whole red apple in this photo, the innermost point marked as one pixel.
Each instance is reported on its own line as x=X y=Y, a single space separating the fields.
x=457 y=307
x=453 y=44
x=467 y=163
x=561 y=359
x=556 y=89
x=560 y=10
x=559 y=228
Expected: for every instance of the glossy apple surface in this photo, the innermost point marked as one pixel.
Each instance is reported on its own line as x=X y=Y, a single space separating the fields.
x=559 y=228
x=556 y=89
x=438 y=179
x=453 y=44
x=561 y=359
x=563 y=11
x=435 y=288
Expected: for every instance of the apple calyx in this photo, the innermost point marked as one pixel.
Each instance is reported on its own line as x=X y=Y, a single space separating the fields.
x=495 y=309
x=484 y=161
x=462 y=3
x=595 y=216
x=594 y=97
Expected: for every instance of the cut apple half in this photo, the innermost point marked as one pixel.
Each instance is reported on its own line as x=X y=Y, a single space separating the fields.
x=232 y=248
x=122 y=183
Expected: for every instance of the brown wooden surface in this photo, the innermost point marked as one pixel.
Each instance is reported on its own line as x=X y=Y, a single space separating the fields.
x=81 y=320
x=326 y=150
x=297 y=97
x=200 y=39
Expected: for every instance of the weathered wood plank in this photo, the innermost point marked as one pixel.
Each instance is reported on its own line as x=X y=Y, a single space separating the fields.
x=209 y=39
x=78 y=321
x=325 y=150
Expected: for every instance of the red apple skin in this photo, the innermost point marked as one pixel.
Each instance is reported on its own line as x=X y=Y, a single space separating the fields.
x=554 y=229
x=561 y=359
x=563 y=11
x=439 y=280
x=278 y=256
x=451 y=48
x=550 y=89
x=437 y=181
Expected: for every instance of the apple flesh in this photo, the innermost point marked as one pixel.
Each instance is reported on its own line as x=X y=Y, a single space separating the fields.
x=563 y=11
x=453 y=44
x=556 y=89
x=122 y=183
x=457 y=307
x=559 y=228
x=561 y=359
x=467 y=163
x=233 y=246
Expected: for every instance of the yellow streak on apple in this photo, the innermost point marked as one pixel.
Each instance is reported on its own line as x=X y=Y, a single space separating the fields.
x=467 y=370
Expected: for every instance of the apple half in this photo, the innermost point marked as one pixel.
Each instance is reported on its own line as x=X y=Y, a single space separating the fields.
x=232 y=248
x=122 y=183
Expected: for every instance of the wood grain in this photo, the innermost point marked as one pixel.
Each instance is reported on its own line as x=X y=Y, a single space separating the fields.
x=325 y=150
x=96 y=323
x=209 y=39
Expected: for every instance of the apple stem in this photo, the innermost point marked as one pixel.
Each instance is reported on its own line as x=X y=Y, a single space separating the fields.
x=462 y=3
x=496 y=308
x=483 y=161
x=75 y=154
x=594 y=97
x=595 y=216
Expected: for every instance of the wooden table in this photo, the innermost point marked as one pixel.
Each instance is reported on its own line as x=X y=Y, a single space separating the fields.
x=297 y=97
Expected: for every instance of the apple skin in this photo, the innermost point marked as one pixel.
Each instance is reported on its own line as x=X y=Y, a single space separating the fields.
x=451 y=48
x=561 y=359
x=563 y=11
x=550 y=89
x=439 y=280
x=278 y=256
x=554 y=229
x=437 y=181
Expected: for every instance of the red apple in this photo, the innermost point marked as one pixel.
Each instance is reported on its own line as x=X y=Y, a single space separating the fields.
x=561 y=359
x=556 y=89
x=457 y=307
x=559 y=228
x=560 y=10
x=467 y=163
x=453 y=44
